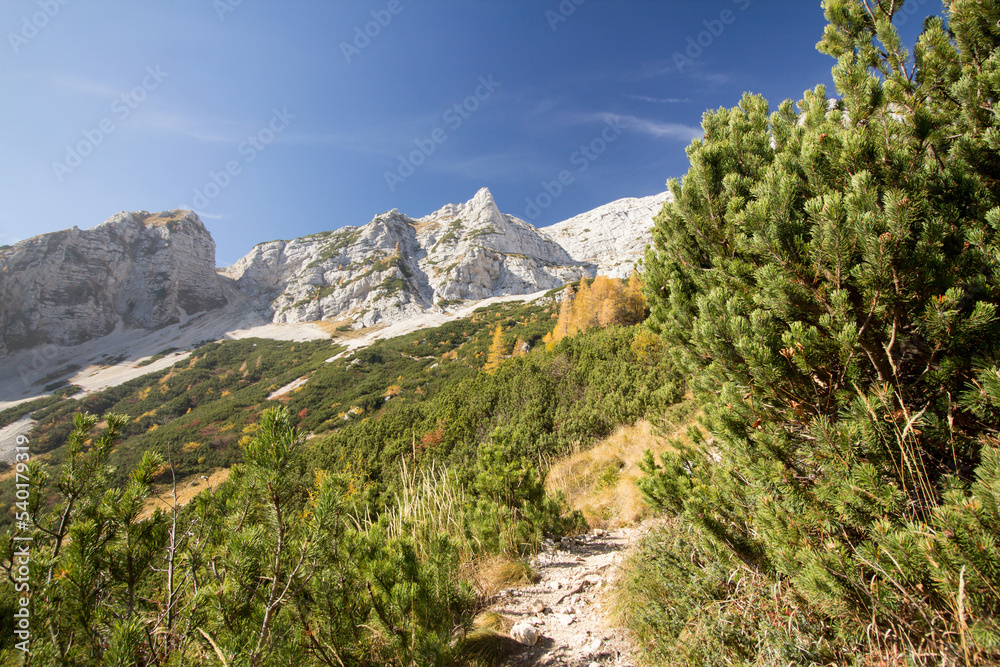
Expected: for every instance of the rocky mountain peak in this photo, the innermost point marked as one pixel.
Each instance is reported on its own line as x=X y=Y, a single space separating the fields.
x=396 y=266
x=482 y=208
x=136 y=270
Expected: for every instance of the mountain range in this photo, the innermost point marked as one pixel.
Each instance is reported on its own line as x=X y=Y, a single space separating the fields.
x=146 y=271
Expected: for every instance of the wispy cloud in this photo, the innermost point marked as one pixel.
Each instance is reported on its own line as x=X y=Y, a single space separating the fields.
x=510 y=166
x=543 y=107
x=211 y=216
x=651 y=70
x=354 y=142
x=718 y=78
x=660 y=100
x=655 y=128
x=172 y=123
x=79 y=84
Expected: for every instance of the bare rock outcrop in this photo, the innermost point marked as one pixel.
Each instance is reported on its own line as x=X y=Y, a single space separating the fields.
x=396 y=266
x=613 y=236
x=146 y=271
x=136 y=270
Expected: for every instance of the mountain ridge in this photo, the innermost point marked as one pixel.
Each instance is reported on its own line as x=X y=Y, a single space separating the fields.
x=146 y=270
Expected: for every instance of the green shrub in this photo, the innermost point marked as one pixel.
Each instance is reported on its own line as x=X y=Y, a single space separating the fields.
x=828 y=279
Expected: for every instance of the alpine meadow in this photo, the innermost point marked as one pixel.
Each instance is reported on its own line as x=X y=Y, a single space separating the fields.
x=754 y=420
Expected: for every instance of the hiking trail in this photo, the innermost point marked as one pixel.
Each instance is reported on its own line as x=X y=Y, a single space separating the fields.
x=569 y=605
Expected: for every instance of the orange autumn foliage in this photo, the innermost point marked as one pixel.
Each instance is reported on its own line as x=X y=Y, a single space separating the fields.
x=600 y=303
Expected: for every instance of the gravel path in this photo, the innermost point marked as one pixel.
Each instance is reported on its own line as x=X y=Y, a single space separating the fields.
x=568 y=606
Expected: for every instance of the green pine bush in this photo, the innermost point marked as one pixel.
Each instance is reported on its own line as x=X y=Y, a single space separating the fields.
x=828 y=277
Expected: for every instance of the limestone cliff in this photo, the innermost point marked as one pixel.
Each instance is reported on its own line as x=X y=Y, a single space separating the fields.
x=613 y=236
x=136 y=270
x=145 y=271
x=396 y=266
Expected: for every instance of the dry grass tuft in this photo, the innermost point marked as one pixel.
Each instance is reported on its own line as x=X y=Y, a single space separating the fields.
x=164 y=218
x=162 y=496
x=600 y=482
x=485 y=646
x=331 y=327
x=492 y=574
x=491 y=620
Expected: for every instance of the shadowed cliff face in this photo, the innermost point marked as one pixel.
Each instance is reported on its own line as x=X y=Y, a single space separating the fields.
x=136 y=270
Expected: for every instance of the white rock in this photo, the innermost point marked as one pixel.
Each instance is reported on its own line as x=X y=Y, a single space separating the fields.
x=524 y=633
x=139 y=270
x=613 y=236
x=397 y=266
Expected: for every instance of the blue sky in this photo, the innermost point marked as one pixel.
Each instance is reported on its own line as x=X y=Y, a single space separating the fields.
x=280 y=118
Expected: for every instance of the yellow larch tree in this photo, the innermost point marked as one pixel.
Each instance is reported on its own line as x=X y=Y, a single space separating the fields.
x=565 y=319
x=497 y=350
x=600 y=302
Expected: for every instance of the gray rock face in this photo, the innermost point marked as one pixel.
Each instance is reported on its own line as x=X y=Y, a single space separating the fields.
x=613 y=236
x=135 y=270
x=397 y=266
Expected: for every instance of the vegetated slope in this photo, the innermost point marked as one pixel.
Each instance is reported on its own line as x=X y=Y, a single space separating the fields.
x=326 y=544
x=197 y=412
x=534 y=407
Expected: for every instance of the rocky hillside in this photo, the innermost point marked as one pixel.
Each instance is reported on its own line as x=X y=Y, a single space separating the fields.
x=146 y=271
x=397 y=266
x=613 y=237
x=137 y=270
